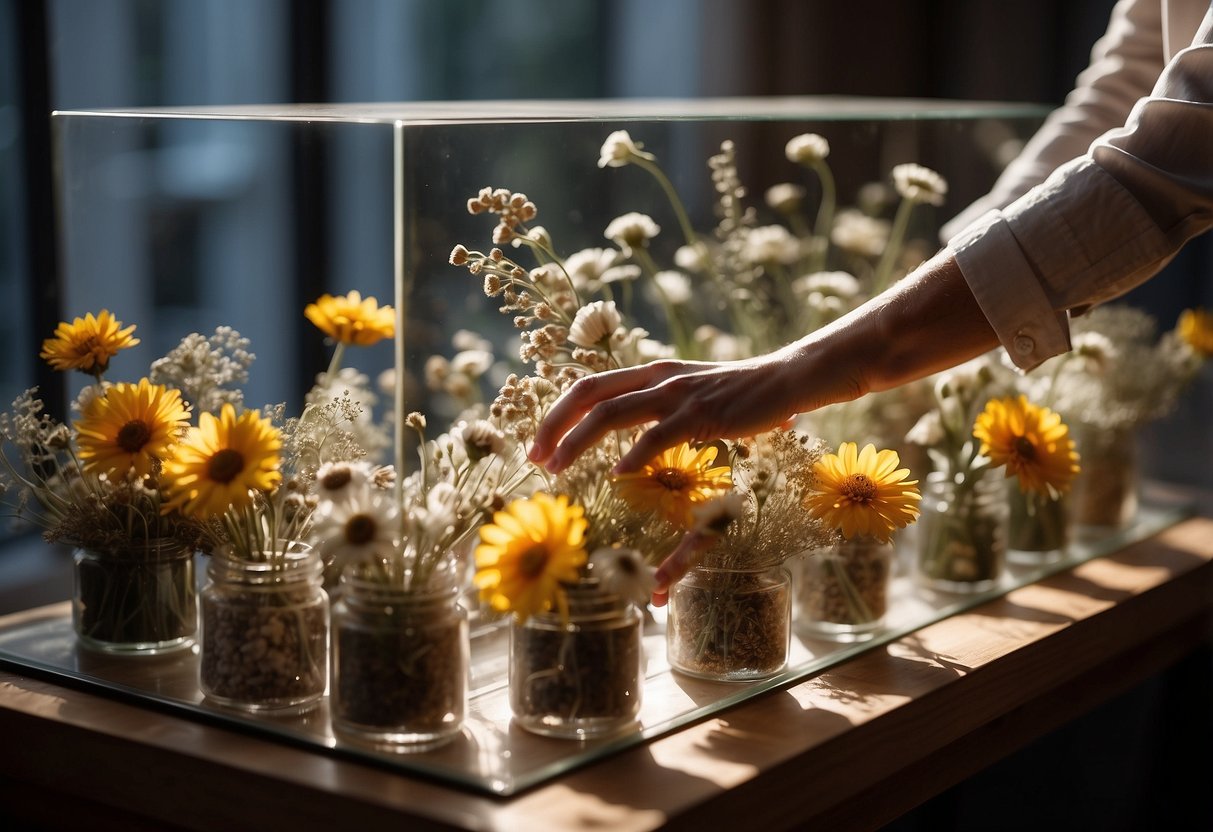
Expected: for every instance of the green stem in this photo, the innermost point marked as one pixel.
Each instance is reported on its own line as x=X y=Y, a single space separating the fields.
x=825 y=213
x=335 y=362
x=884 y=269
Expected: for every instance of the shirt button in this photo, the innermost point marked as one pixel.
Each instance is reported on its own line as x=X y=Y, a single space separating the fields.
x=1024 y=344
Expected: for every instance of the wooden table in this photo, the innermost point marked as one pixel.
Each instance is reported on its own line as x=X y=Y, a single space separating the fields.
x=850 y=749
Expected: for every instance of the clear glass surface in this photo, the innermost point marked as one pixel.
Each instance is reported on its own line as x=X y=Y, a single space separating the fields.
x=197 y=217
x=491 y=754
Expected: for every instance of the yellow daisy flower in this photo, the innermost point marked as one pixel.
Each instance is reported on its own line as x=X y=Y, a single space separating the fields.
x=130 y=426
x=1195 y=327
x=352 y=320
x=674 y=482
x=1031 y=441
x=87 y=344
x=863 y=493
x=529 y=549
x=221 y=462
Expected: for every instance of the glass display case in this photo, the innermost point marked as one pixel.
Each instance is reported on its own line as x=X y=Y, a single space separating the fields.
x=191 y=219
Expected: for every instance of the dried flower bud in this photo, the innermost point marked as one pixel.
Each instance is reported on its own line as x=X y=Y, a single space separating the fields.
x=459 y=255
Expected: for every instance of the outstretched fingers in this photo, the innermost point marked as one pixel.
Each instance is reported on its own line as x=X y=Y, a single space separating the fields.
x=623 y=411
x=609 y=400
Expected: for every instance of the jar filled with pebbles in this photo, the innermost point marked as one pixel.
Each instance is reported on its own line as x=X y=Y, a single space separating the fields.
x=265 y=628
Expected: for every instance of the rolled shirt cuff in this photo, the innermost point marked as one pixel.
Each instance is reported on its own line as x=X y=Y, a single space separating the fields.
x=1009 y=292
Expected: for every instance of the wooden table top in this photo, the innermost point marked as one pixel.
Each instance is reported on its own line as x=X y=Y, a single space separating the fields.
x=851 y=748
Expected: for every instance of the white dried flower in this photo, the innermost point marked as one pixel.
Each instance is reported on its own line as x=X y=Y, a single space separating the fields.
x=828 y=305
x=1096 y=349
x=784 y=197
x=356 y=530
x=770 y=244
x=674 y=286
x=437 y=369
x=441 y=511
x=927 y=431
x=594 y=324
x=619 y=150
x=537 y=235
x=838 y=284
x=620 y=274
x=807 y=148
x=465 y=339
x=339 y=482
x=919 y=184
x=472 y=363
x=623 y=572
x=713 y=517
x=632 y=230
x=721 y=346
x=480 y=438
x=386 y=382
x=692 y=258
x=858 y=233
x=586 y=267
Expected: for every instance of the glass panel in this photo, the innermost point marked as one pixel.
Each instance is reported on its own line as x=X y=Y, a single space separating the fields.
x=187 y=220
x=492 y=755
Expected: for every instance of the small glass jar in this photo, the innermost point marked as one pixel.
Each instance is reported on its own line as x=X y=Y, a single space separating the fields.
x=1038 y=528
x=582 y=675
x=843 y=590
x=141 y=600
x=399 y=664
x=1104 y=494
x=962 y=533
x=730 y=624
x=265 y=627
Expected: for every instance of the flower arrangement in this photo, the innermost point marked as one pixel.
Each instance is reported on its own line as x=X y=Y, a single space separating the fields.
x=744 y=288
x=1120 y=373
x=174 y=461
x=730 y=616
x=1119 y=376
x=865 y=497
x=94 y=483
x=978 y=426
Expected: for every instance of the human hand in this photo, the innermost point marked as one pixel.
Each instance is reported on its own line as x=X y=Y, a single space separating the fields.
x=694 y=401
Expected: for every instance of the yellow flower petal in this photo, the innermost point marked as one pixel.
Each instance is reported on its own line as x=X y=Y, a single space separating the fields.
x=1032 y=442
x=863 y=493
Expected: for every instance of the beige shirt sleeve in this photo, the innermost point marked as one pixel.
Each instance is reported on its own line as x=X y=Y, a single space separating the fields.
x=1103 y=222
x=1125 y=64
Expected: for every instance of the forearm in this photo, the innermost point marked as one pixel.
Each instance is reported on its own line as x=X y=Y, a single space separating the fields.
x=928 y=322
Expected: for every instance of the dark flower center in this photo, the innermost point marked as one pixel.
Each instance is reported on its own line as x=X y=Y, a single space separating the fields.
x=533 y=561
x=672 y=479
x=133 y=436
x=858 y=488
x=1025 y=448
x=360 y=529
x=336 y=479
x=225 y=466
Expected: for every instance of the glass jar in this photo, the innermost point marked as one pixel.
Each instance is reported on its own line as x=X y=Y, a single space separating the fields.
x=578 y=676
x=730 y=624
x=1038 y=528
x=140 y=600
x=265 y=626
x=1104 y=494
x=399 y=664
x=842 y=591
x=962 y=532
